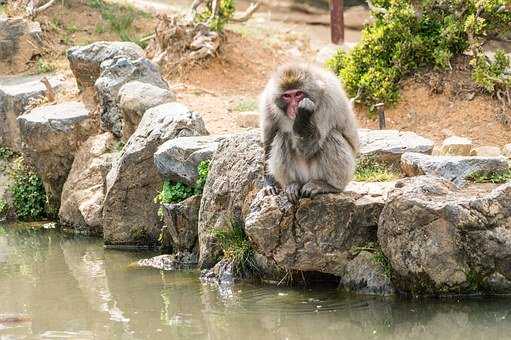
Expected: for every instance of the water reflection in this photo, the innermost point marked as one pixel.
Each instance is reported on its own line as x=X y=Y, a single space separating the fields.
x=56 y=286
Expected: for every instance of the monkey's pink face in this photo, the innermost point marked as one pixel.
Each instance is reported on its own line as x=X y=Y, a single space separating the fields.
x=292 y=98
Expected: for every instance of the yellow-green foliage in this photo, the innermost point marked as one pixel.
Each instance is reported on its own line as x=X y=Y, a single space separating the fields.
x=236 y=248
x=408 y=35
x=225 y=11
x=370 y=170
x=490 y=177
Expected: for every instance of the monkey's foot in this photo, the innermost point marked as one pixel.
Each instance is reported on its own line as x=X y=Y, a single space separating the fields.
x=293 y=192
x=270 y=186
x=313 y=188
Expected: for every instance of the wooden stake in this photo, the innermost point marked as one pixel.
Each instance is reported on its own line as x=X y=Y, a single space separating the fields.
x=337 y=21
x=50 y=94
x=381 y=115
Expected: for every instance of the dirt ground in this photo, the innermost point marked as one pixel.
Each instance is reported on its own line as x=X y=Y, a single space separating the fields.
x=233 y=80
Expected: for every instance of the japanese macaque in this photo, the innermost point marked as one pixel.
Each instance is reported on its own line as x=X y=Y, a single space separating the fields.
x=310 y=136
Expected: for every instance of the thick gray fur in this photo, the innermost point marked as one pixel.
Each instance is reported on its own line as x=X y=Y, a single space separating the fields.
x=317 y=154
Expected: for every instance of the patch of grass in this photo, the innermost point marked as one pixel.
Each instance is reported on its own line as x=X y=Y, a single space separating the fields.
x=42 y=66
x=29 y=197
x=120 y=20
x=119 y=145
x=370 y=170
x=246 y=105
x=72 y=28
x=99 y=29
x=490 y=177
x=6 y=153
x=236 y=248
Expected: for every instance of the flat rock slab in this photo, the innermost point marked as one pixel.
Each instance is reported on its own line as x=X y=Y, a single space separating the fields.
x=441 y=240
x=85 y=61
x=456 y=146
x=177 y=159
x=170 y=262
x=51 y=135
x=15 y=94
x=388 y=145
x=452 y=168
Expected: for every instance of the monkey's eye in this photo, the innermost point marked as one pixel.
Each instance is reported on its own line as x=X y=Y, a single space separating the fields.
x=300 y=95
x=286 y=96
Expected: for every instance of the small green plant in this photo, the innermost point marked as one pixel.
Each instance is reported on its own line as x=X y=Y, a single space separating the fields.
x=72 y=28
x=225 y=12
x=173 y=193
x=3 y=207
x=490 y=177
x=203 y=170
x=42 y=66
x=29 y=197
x=119 y=145
x=6 y=153
x=383 y=261
x=99 y=29
x=370 y=170
x=246 y=105
x=236 y=248
x=491 y=75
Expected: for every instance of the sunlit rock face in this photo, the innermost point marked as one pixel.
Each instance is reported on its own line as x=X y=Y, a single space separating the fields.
x=20 y=41
x=441 y=240
x=84 y=191
x=51 y=135
x=130 y=213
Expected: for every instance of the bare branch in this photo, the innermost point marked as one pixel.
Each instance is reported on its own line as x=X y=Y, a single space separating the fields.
x=244 y=16
x=33 y=11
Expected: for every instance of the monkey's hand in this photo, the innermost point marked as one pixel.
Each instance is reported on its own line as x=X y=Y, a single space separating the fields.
x=306 y=107
x=270 y=185
x=303 y=126
x=293 y=192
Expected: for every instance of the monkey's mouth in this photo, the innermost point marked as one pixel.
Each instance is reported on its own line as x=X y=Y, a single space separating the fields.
x=292 y=110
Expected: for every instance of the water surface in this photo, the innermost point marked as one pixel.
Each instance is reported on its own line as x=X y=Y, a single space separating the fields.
x=54 y=286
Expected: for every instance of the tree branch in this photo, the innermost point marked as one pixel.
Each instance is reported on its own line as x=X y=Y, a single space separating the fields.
x=244 y=16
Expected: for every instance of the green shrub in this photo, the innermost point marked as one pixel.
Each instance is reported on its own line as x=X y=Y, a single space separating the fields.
x=236 y=248
x=3 y=207
x=408 y=35
x=225 y=12
x=203 y=170
x=173 y=193
x=29 y=197
x=6 y=153
x=42 y=66
x=490 y=177
x=490 y=75
x=370 y=170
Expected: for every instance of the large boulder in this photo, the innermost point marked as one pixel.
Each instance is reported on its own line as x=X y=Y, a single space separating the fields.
x=177 y=159
x=6 y=207
x=84 y=191
x=16 y=92
x=115 y=73
x=129 y=212
x=235 y=176
x=85 y=61
x=456 y=146
x=135 y=98
x=317 y=235
x=441 y=240
x=486 y=151
x=20 y=41
x=453 y=168
x=388 y=145
x=50 y=136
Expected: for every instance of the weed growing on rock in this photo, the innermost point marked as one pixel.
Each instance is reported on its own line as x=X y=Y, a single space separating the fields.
x=6 y=153
x=490 y=177
x=203 y=170
x=29 y=197
x=408 y=35
x=236 y=248
x=42 y=66
x=173 y=193
x=370 y=170
x=383 y=261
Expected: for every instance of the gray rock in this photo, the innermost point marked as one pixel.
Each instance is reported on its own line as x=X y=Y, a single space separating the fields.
x=15 y=95
x=177 y=159
x=388 y=145
x=506 y=150
x=364 y=275
x=222 y=273
x=486 y=151
x=456 y=146
x=441 y=240
x=180 y=225
x=168 y=262
x=50 y=136
x=137 y=97
x=84 y=191
x=314 y=235
x=453 y=168
x=85 y=61
x=235 y=176
x=114 y=74
x=129 y=212
x=20 y=41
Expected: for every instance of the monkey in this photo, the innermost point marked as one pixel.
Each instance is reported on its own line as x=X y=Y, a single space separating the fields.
x=309 y=132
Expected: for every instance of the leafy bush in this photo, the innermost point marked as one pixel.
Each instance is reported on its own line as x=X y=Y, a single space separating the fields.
x=370 y=170
x=225 y=12
x=29 y=197
x=490 y=75
x=236 y=248
x=490 y=177
x=203 y=170
x=408 y=35
x=3 y=207
x=6 y=153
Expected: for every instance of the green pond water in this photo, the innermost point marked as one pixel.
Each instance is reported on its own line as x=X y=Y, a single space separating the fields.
x=54 y=286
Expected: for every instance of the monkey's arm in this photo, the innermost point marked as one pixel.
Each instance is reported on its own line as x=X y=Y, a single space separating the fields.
x=271 y=186
x=305 y=129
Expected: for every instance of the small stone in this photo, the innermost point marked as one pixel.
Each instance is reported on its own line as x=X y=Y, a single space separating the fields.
x=168 y=262
x=506 y=150
x=456 y=146
x=248 y=119
x=364 y=275
x=486 y=151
